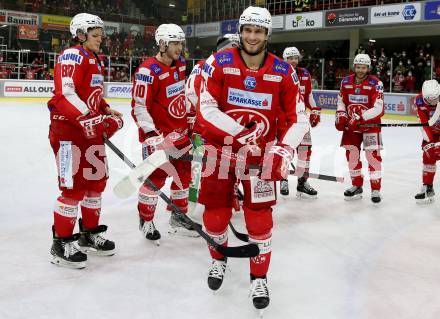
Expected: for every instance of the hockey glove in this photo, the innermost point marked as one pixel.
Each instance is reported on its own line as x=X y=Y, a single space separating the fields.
x=354 y=123
x=315 y=116
x=152 y=142
x=430 y=150
x=252 y=135
x=92 y=125
x=341 y=120
x=112 y=123
x=276 y=162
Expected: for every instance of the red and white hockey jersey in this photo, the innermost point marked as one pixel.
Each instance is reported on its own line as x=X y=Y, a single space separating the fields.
x=79 y=84
x=364 y=99
x=425 y=112
x=192 y=92
x=233 y=95
x=158 y=102
x=305 y=85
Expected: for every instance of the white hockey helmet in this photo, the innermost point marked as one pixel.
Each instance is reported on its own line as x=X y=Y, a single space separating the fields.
x=228 y=40
x=256 y=16
x=290 y=51
x=82 y=22
x=362 y=59
x=169 y=33
x=430 y=90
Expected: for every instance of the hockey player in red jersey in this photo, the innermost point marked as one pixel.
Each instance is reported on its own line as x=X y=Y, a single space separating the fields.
x=291 y=55
x=426 y=104
x=360 y=101
x=159 y=109
x=80 y=119
x=192 y=89
x=241 y=93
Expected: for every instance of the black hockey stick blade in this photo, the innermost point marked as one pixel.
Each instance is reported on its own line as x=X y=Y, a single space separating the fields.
x=240 y=236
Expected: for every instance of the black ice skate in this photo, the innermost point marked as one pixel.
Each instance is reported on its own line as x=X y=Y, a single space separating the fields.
x=354 y=192
x=375 y=196
x=284 y=187
x=259 y=293
x=216 y=273
x=426 y=195
x=149 y=230
x=305 y=190
x=92 y=242
x=179 y=226
x=64 y=252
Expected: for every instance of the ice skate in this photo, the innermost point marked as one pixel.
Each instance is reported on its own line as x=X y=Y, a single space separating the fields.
x=92 y=242
x=284 y=187
x=65 y=253
x=353 y=193
x=216 y=274
x=426 y=194
x=259 y=293
x=179 y=226
x=149 y=230
x=304 y=190
x=376 y=197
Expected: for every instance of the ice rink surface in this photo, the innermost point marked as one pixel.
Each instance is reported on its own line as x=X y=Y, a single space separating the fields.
x=331 y=259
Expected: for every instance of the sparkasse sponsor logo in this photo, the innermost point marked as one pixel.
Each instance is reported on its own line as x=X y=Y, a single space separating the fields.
x=248 y=99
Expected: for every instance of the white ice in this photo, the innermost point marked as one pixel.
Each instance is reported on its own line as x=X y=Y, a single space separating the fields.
x=331 y=259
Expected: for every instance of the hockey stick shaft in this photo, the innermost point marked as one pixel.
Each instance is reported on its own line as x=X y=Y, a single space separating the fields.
x=291 y=172
x=250 y=250
x=395 y=125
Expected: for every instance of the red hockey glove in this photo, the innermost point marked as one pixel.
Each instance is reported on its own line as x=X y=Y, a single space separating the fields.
x=251 y=135
x=275 y=164
x=315 y=116
x=430 y=150
x=151 y=143
x=341 y=120
x=112 y=124
x=355 y=121
x=92 y=125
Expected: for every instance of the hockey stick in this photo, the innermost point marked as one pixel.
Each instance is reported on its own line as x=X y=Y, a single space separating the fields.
x=291 y=172
x=431 y=121
x=250 y=250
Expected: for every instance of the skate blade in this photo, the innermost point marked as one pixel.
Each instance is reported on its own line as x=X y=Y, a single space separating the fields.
x=72 y=265
x=261 y=313
x=95 y=252
x=353 y=198
x=425 y=201
x=155 y=242
x=183 y=232
x=305 y=196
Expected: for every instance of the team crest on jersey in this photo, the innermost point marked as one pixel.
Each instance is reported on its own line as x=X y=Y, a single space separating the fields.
x=372 y=82
x=357 y=98
x=94 y=99
x=302 y=89
x=280 y=67
x=177 y=107
x=176 y=76
x=245 y=116
x=262 y=101
x=357 y=91
x=250 y=83
x=224 y=58
x=156 y=69
x=175 y=88
x=355 y=109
